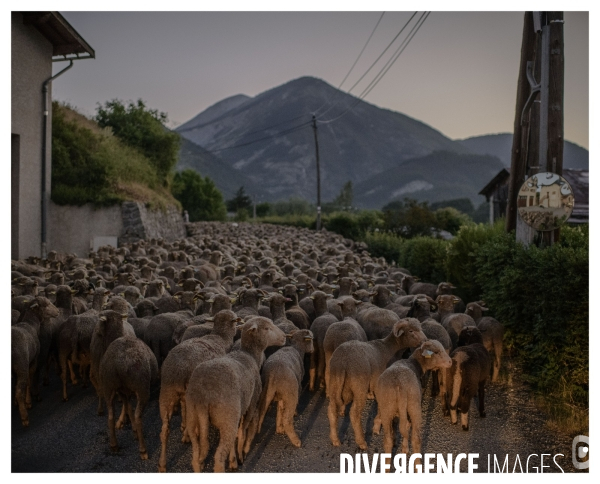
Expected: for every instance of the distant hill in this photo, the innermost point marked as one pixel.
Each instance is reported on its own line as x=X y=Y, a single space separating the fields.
x=226 y=178
x=438 y=176
x=500 y=145
x=364 y=142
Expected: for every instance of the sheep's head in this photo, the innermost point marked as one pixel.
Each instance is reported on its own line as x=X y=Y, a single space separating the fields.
x=433 y=355
x=226 y=323
x=444 y=288
x=259 y=333
x=469 y=335
x=446 y=302
x=43 y=308
x=408 y=333
x=301 y=339
x=348 y=306
x=475 y=310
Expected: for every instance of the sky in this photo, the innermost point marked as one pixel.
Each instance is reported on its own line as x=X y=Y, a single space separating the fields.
x=458 y=75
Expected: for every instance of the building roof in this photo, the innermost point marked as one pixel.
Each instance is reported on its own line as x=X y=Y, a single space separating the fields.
x=66 y=42
x=501 y=178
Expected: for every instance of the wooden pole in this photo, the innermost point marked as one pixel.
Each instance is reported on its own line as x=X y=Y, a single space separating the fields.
x=518 y=158
x=314 y=123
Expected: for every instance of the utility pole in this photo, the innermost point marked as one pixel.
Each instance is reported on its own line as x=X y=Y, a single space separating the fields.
x=519 y=151
x=538 y=130
x=314 y=124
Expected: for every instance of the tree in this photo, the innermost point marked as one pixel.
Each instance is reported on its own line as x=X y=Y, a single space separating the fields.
x=409 y=218
x=241 y=200
x=346 y=197
x=144 y=129
x=343 y=202
x=199 y=196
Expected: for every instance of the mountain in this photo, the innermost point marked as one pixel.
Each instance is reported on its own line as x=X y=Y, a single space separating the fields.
x=226 y=179
x=500 y=145
x=269 y=139
x=441 y=175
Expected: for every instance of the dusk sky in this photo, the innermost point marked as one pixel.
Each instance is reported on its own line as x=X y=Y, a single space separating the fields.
x=458 y=75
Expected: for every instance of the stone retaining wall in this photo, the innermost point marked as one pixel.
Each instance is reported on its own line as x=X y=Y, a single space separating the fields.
x=73 y=229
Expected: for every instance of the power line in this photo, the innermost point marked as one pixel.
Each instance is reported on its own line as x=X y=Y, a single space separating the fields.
x=361 y=52
x=385 y=50
x=397 y=54
x=376 y=60
x=382 y=73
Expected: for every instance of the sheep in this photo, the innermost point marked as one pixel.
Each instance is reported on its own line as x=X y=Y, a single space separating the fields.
x=127 y=368
x=179 y=365
x=435 y=331
x=399 y=395
x=468 y=375
x=421 y=308
x=411 y=286
x=281 y=376
x=235 y=386
x=454 y=324
x=108 y=328
x=159 y=333
x=336 y=334
x=249 y=298
x=377 y=322
x=445 y=288
x=25 y=349
x=343 y=307
x=493 y=334
x=445 y=305
x=355 y=367
x=317 y=358
x=74 y=340
x=294 y=312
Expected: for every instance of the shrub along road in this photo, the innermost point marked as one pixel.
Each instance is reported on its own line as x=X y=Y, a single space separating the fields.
x=71 y=437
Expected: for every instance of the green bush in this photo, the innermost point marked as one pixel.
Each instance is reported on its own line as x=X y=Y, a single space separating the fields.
x=425 y=257
x=542 y=298
x=143 y=128
x=461 y=264
x=199 y=196
x=450 y=219
x=90 y=165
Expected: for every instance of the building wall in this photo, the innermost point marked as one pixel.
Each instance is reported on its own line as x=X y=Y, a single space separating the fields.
x=72 y=229
x=31 y=65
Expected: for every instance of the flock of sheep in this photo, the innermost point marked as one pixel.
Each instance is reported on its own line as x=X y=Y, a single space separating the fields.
x=227 y=320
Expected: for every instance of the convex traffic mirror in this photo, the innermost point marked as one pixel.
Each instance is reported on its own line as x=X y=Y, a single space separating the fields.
x=545 y=201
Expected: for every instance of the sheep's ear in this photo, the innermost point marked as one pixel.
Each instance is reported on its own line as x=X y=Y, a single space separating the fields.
x=484 y=309
x=102 y=318
x=74 y=291
x=358 y=303
x=124 y=316
x=437 y=299
x=154 y=307
x=455 y=299
x=427 y=353
x=329 y=296
x=209 y=318
x=34 y=304
x=398 y=332
x=197 y=296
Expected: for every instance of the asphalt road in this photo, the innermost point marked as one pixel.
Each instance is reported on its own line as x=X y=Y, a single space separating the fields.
x=71 y=437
